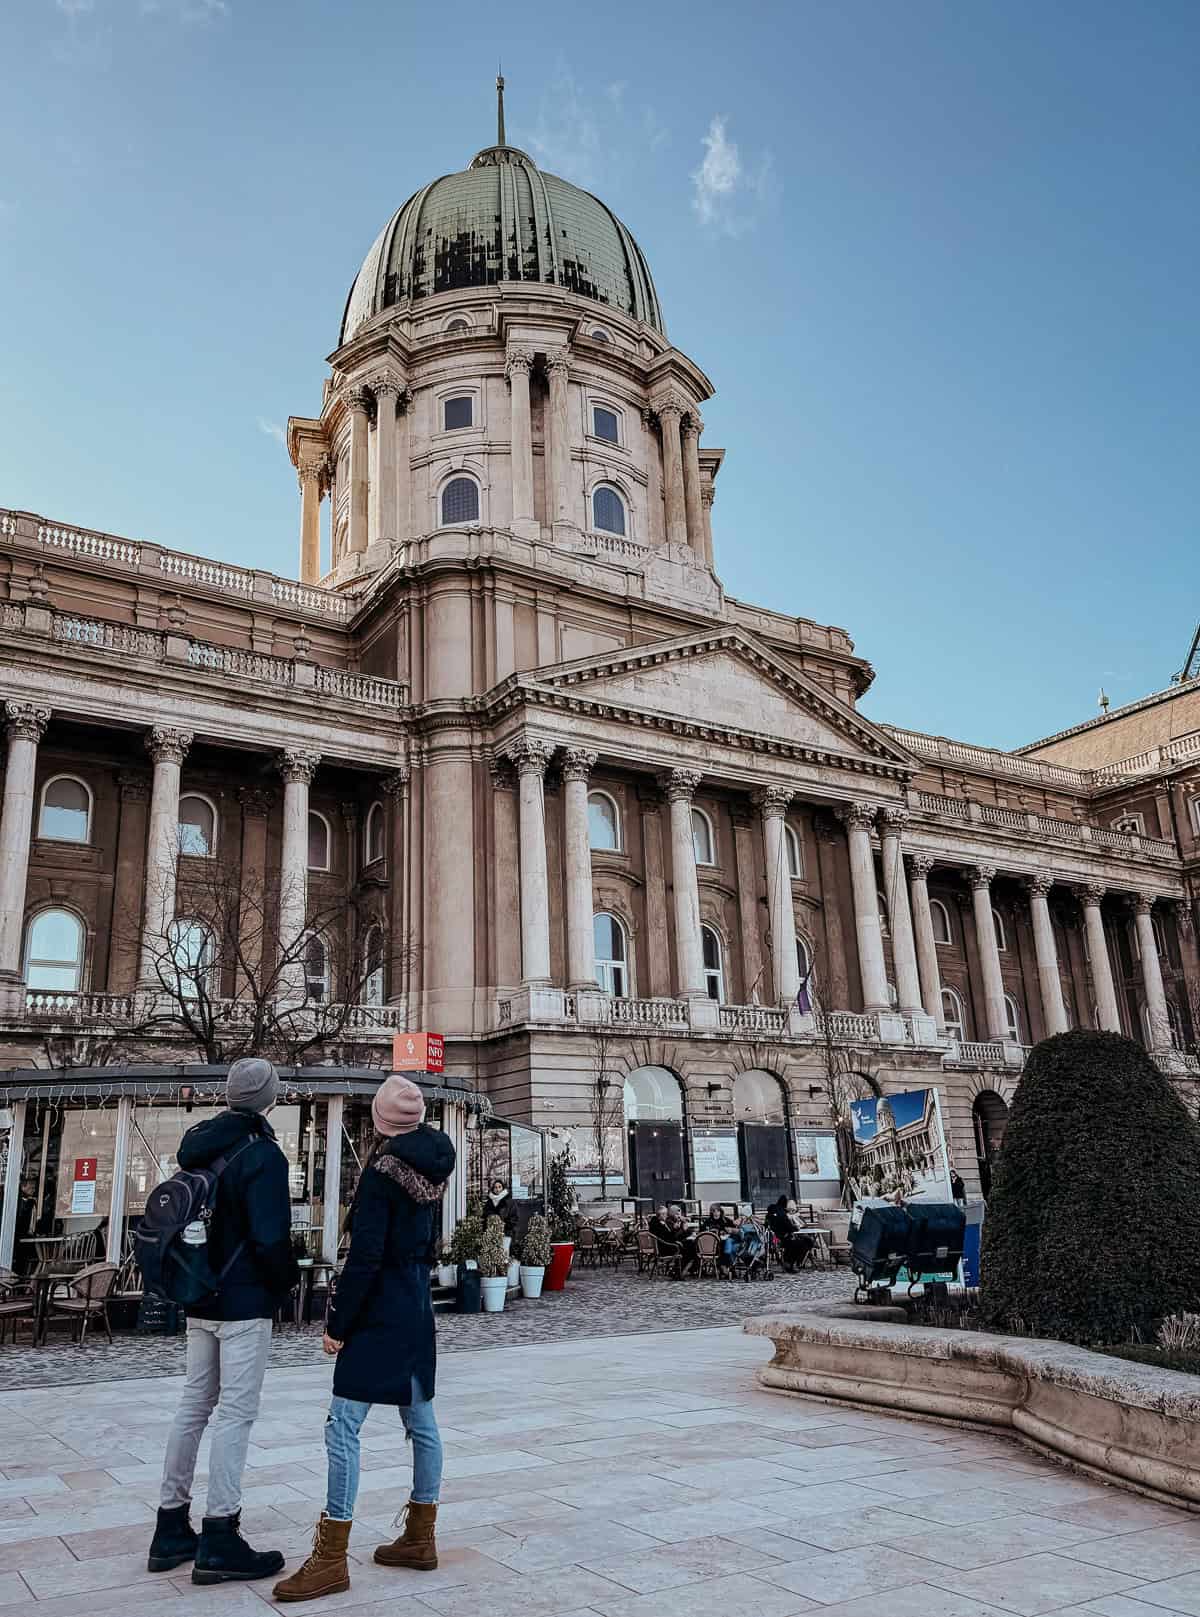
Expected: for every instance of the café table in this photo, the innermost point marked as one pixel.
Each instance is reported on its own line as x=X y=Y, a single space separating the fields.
x=820 y=1249
x=43 y=1284
x=303 y=1295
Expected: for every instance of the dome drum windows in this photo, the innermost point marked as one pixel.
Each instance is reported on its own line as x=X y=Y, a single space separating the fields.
x=608 y=510
x=458 y=412
x=65 y=814
x=606 y=424
x=459 y=501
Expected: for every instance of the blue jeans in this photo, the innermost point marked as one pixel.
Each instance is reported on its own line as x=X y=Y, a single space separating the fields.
x=342 y=1426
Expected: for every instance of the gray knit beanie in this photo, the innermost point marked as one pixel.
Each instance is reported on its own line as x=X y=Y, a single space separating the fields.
x=253 y=1085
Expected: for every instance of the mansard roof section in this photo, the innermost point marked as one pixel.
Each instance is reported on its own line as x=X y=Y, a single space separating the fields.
x=722 y=683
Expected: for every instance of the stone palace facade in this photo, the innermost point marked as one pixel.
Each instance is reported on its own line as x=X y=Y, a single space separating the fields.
x=575 y=807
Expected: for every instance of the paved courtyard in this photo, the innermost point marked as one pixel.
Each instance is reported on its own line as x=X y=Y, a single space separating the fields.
x=635 y=1476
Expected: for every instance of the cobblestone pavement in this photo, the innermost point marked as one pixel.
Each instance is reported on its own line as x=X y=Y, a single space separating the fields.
x=633 y=1476
x=596 y=1303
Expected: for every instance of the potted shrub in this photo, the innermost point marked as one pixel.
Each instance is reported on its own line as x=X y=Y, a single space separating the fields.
x=560 y=1200
x=535 y=1256
x=447 y=1269
x=493 y=1267
x=464 y=1257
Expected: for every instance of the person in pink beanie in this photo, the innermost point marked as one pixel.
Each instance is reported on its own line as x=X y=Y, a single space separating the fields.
x=380 y=1327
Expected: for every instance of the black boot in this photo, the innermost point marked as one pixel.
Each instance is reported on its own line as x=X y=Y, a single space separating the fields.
x=223 y=1556
x=174 y=1540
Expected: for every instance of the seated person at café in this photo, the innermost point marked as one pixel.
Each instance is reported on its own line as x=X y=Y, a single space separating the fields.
x=783 y=1221
x=665 y=1233
x=725 y=1228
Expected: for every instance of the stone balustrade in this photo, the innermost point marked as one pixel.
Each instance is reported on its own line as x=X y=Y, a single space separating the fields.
x=963 y=809
x=83 y=1011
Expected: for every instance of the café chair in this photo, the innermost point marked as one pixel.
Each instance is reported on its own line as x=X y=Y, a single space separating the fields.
x=86 y=1299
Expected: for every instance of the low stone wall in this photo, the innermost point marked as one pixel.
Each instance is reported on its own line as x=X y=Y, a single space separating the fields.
x=1127 y=1423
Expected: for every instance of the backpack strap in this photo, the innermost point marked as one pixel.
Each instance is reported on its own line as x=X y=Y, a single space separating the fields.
x=218 y=1168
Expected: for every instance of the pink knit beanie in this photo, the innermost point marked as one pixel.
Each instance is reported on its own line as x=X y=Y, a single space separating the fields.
x=398 y=1107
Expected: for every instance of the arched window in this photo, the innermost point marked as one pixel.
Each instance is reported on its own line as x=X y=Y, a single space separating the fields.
x=606 y=424
x=66 y=811
x=318 y=841
x=457 y=413
x=458 y=324
x=1160 y=936
x=940 y=917
x=316 y=970
x=702 y=838
x=1194 y=814
x=795 y=863
x=989 y=1116
x=608 y=510
x=1012 y=1017
x=804 y=962
x=373 y=966
x=373 y=834
x=190 y=969
x=952 y=1014
x=758 y=1097
x=652 y=1095
x=714 y=971
x=460 y=501
x=1001 y=934
x=600 y=335
x=54 y=952
x=604 y=823
x=1175 y=1022
x=883 y=914
x=611 y=955
x=197 y=827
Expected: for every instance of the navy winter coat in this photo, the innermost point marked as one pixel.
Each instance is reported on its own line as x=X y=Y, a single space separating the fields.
x=382 y=1310
x=254 y=1208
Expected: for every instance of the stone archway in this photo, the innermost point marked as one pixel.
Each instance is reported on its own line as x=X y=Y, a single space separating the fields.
x=654 y=1129
x=989 y=1118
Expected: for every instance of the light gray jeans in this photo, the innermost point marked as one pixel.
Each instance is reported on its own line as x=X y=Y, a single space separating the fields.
x=226 y=1362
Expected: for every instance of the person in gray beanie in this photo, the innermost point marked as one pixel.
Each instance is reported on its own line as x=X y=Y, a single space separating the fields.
x=229 y=1332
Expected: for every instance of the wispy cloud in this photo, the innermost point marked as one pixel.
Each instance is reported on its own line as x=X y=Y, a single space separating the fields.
x=75 y=8
x=272 y=429
x=185 y=11
x=595 y=142
x=726 y=195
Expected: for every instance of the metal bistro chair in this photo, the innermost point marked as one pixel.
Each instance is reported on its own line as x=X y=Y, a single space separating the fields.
x=16 y=1303
x=708 y=1254
x=86 y=1300
x=587 y=1247
x=651 y=1258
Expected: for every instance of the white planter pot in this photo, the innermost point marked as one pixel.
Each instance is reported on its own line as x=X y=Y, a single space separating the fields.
x=447 y=1274
x=507 y=1245
x=514 y=1275
x=531 y=1281
x=494 y=1288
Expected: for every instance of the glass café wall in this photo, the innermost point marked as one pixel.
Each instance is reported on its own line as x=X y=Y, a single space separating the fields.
x=509 y=1152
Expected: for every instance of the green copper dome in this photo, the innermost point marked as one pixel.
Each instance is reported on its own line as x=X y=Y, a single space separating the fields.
x=502 y=219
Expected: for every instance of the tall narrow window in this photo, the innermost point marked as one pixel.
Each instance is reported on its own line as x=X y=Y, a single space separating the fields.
x=197 y=827
x=794 y=862
x=804 y=962
x=605 y=424
x=54 y=952
x=604 y=823
x=460 y=501
x=374 y=833
x=1001 y=934
x=190 y=969
x=940 y=917
x=457 y=413
x=702 y=838
x=714 y=972
x=373 y=966
x=66 y=812
x=608 y=510
x=318 y=842
x=1012 y=1017
x=952 y=1014
x=883 y=914
x=316 y=970
x=611 y=955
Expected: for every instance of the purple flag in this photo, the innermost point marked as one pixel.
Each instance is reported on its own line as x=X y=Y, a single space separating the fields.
x=803 y=997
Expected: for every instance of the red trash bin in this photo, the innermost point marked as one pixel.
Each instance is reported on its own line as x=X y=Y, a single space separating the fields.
x=562 y=1256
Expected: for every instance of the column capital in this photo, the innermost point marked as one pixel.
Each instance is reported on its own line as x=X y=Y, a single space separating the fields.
x=578 y=763
x=385 y=387
x=980 y=877
x=672 y=405
x=501 y=770
x=1142 y=903
x=133 y=786
x=772 y=801
x=1091 y=892
x=168 y=745
x=349 y=813
x=395 y=783
x=518 y=361
x=1183 y=914
x=894 y=819
x=256 y=801
x=558 y=363
x=26 y=721
x=357 y=398
x=857 y=816
x=919 y=865
x=530 y=755
x=708 y=494
x=692 y=424
x=680 y=785
x=298 y=765
x=313 y=471
x=1039 y=884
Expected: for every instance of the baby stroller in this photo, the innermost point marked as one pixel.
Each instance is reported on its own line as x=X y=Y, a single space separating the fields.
x=751 y=1251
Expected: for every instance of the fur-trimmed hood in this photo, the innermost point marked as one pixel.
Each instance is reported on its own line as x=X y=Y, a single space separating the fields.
x=419 y=1163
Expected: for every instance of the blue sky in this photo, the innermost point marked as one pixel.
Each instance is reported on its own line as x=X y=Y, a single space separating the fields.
x=938 y=259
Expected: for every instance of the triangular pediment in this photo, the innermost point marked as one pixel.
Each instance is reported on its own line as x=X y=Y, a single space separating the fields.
x=724 y=680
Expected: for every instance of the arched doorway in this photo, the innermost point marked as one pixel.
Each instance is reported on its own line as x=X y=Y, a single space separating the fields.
x=760 y=1107
x=989 y=1115
x=654 y=1130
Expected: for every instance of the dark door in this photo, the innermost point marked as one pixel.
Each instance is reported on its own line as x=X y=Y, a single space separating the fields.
x=766 y=1171
x=656 y=1161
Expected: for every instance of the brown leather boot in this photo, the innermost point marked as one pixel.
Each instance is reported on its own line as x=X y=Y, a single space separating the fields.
x=416 y=1547
x=325 y=1572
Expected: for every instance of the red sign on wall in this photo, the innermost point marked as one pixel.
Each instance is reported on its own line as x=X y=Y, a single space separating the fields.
x=85 y=1170
x=418 y=1052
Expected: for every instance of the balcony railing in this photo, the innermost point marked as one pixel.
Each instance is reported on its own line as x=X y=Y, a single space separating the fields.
x=46 y=1005
x=671 y=1013
x=80 y=1009
x=753 y=1019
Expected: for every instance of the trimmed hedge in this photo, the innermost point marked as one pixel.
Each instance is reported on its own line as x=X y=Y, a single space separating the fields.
x=1092 y=1232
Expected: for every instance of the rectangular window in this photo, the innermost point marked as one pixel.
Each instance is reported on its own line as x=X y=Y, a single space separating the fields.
x=457 y=413
x=605 y=425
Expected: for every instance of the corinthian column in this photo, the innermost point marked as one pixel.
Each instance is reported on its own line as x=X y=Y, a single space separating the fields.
x=1091 y=896
x=772 y=804
x=558 y=493
x=690 y=429
x=671 y=412
x=167 y=748
x=707 y=495
x=576 y=771
x=1152 y=982
x=311 y=474
x=1054 y=1012
x=895 y=892
x=359 y=401
x=25 y=725
x=858 y=819
x=386 y=395
x=680 y=787
x=981 y=878
x=930 y=973
x=297 y=766
x=517 y=368
x=530 y=757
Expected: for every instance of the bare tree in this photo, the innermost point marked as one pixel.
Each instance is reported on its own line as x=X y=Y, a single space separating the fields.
x=607 y=1103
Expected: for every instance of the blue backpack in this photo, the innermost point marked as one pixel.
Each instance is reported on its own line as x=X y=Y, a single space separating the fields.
x=171 y=1242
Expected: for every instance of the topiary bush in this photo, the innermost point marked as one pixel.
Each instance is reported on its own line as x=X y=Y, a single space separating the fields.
x=1092 y=1232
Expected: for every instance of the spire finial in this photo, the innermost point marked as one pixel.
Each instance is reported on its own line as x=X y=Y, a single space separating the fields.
x=500 y=140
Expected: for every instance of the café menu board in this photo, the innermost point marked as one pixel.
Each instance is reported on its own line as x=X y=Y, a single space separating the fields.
x=715 y=1159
